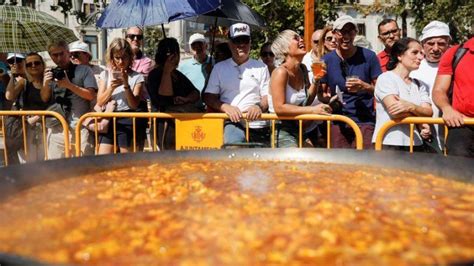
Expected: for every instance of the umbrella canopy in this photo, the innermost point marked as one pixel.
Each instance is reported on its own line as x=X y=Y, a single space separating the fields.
x=128 y=13
x=24 y=30
x=230 y=12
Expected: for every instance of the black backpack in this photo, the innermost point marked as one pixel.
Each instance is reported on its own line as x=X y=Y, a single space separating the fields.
x=460 y=52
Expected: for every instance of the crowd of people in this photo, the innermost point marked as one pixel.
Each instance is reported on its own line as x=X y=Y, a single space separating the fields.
x=428 y=77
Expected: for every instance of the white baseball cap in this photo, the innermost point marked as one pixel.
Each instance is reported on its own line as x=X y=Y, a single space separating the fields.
x=435 y=29
x=239 y=29
x=79 y=46
x=197 y=37
x=343 y=20
x=12 y=55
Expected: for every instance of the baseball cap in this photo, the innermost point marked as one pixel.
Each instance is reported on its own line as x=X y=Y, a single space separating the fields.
x=435 y=29
x=79 y=46
x=12 y=55
x=343 y=20
x=197 y=37
x=238 y=30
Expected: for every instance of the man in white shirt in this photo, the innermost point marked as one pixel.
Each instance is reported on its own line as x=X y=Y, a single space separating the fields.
x=239 y=85
x=435 y=41
x=312 y=55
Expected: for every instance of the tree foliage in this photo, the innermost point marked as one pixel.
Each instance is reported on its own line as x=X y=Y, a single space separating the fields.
x=153 y=35
x=458 y=14
x=286 y=14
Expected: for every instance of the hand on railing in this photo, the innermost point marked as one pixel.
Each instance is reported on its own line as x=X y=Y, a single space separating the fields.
x=453 y=118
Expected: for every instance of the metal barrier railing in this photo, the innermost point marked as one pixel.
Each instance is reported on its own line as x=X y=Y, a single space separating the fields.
x=222 y=116
x=42 y=114
x=412 y=121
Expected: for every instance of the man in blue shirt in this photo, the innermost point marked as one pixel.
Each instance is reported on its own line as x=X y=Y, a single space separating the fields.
x=354 y=70
x=197 y=68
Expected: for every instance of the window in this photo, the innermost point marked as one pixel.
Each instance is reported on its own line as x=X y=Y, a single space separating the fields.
x=92 y=40
x=361 y=29
x=88 y=8
x=28 y=3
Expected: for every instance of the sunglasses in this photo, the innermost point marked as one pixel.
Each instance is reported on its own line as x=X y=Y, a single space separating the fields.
x=346 y=31
x=315 y=41
x=241 y=40
x=34 y=63
x=12 y=61
x=329 y=39
x=139 y=37
x=75 y=54
x=265 y=54
x=387 y=33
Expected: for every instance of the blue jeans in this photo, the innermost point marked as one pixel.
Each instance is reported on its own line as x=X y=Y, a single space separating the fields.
x=234 y=133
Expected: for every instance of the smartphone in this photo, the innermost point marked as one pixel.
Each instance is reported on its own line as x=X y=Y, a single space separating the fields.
x=116 y=75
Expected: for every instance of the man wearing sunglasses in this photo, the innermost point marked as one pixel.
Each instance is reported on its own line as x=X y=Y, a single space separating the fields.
x=239 y=85
x=312 y=55
x=354 y=70
x=389 y=33
x=141 y=63
x=81 y=55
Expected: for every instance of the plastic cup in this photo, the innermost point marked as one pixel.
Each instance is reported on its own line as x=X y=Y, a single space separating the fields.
x=352 y=78
x=318 y=68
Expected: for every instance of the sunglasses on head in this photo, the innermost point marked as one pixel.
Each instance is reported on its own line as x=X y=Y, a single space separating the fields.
x=34 y=63
x=135 y=36
x=265 y=54
x=12 y=61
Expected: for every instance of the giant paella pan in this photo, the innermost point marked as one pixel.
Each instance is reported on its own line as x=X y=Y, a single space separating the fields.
x=240 y=207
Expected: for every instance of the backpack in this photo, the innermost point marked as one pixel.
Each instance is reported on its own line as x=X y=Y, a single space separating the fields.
x=460 y=52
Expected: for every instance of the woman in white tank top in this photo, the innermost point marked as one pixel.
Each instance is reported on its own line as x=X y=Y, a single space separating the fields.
x=290 y=90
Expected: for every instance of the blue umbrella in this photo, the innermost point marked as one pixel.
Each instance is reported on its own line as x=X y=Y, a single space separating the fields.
x=129 y=13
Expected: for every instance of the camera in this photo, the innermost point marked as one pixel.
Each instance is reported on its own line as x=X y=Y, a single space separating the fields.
x=58 y=73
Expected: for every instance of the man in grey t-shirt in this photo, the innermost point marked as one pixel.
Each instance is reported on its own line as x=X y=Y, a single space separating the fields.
x=78 y=87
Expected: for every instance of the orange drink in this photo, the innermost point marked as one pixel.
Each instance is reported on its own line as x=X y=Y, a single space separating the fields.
x=318 y=68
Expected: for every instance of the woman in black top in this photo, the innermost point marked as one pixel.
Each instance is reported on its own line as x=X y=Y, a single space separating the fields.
x=25 y=92
x=170 y=91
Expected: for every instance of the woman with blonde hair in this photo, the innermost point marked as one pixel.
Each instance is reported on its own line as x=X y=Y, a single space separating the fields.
x=327 y=41
x=122 y=85
x=291 y=93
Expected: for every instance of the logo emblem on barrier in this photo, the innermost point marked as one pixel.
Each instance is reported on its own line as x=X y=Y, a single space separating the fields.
x=198 y=135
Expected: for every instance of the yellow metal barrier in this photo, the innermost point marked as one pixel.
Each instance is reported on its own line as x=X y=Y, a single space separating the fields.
x=221 y=116
x=61 y=119
x=412 y=121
